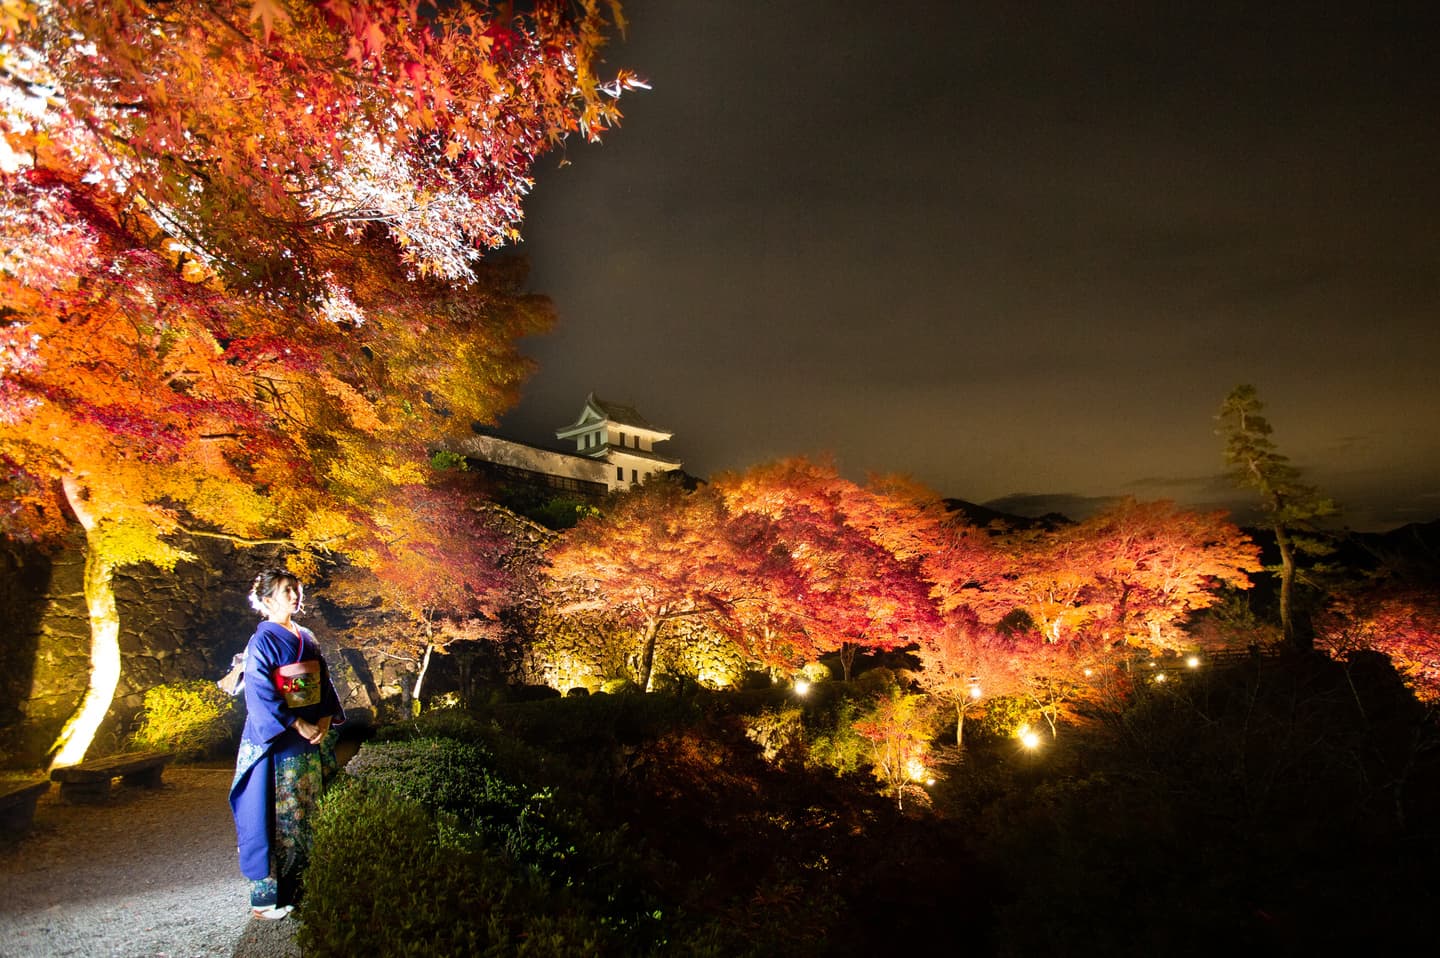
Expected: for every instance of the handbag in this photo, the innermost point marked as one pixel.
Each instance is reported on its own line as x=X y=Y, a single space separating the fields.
x=299 y=682
x=233 y=683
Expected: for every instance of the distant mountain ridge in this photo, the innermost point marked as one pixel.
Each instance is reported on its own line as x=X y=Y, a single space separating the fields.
x=983 y=516
x=1414 y=547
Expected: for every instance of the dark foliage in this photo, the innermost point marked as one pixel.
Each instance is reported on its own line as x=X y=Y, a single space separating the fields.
x=383 y=881
x=1279 y=806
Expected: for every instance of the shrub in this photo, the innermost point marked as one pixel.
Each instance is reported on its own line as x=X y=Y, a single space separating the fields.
x=187 y=718
x=1002 y=715
x=381 y=881
x=442 y=775
x=438 y=723
x=780 y=733
x=834 y=742
x=478 y=809
x=816 y=672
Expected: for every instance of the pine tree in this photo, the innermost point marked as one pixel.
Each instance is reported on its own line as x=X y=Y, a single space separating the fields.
x=1292 y=507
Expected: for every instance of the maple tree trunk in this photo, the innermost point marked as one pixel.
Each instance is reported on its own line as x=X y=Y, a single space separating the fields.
x=647 y=653
x=1051 y=716
x=960 y=723
x=847 y=658
x=420 y=679
x=79 y=731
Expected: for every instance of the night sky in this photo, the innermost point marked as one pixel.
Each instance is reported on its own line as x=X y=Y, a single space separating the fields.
x=1021 y=255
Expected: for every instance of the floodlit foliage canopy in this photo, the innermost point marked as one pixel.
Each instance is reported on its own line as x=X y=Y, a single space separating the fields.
x=240 y=278
x=258 y=135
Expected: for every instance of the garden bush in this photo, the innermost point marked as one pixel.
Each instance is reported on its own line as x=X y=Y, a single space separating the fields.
x=998 y=719
x=478 y=808
x=437 y=723
x=447 y=777
x=191 y=719
x=834 y=743
x=780 y=733
x=383 y=881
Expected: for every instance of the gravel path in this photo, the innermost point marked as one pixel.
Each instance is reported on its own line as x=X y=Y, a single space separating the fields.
x=150 y=873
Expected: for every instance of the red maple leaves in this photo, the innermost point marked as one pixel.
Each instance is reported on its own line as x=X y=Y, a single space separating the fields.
x=793 y=561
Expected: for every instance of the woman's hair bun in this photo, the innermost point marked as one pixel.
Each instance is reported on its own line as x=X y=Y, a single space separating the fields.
x=267 y=582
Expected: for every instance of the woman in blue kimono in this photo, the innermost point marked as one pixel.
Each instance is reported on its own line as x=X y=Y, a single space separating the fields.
x=287 y=749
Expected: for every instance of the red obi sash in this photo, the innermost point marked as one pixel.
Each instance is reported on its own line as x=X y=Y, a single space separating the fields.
x=299 y=681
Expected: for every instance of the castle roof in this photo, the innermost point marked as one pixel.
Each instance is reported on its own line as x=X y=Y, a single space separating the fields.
x=617 y=413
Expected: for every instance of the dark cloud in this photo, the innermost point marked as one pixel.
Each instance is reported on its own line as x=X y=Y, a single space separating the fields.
x=1001 y=247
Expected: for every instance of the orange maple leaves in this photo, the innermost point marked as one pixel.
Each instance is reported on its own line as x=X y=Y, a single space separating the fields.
x=257 y=131
x=793 y=561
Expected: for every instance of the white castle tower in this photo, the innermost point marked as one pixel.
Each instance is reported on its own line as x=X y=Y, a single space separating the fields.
x=621 y=437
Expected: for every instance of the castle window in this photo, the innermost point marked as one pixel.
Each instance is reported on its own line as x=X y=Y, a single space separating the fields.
x=620 y=473
x=622 y=440
x=634 y=475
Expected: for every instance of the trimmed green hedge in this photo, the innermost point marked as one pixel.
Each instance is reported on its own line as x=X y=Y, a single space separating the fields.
x=473 y=859
x=383 y=881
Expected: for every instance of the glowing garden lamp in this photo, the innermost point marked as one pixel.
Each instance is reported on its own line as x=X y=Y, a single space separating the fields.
x=1159 y=676
x=1028 y=737
x=1193 y=662
x=1089 y=672
x=802 y=687
x=975 y=692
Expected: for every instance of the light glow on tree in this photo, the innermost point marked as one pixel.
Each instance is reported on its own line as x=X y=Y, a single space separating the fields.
x=221 y=226
x=1400 y=621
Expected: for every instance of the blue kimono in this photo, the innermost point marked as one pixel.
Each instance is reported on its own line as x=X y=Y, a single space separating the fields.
x=278 y=774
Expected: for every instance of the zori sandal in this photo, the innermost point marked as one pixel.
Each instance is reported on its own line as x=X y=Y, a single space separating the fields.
x=271 y=912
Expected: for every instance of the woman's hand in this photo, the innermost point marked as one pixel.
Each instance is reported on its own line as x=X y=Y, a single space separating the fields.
x=312 y=732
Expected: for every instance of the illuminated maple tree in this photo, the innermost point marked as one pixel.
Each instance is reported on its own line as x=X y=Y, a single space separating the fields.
x=1051 y=576
x=1131 y=574
x=225 y=234
x=966 y=663
x=443 y=577
x=656 y=555
x=969 y=569
x=258 y=134
x=897 y=729
x=1154 y=564
x=852 y=556
x=145 y=404
x=1054 y=675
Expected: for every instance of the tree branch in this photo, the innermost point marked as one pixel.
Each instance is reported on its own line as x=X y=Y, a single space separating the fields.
x=239 y=540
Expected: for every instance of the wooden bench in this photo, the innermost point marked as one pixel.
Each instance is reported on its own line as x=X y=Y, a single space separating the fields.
x=17 y=804
x=89 y=782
